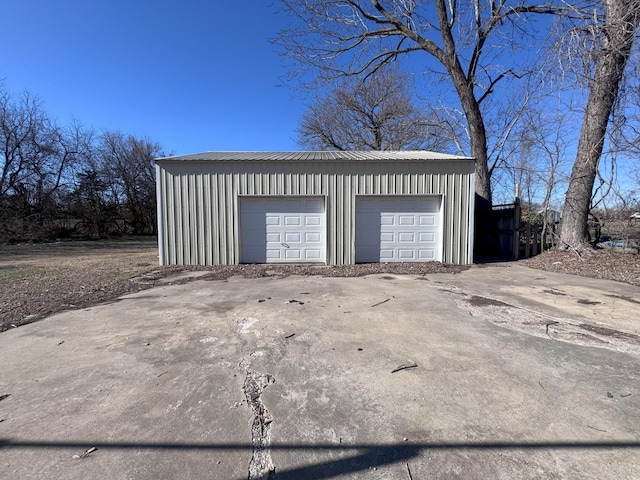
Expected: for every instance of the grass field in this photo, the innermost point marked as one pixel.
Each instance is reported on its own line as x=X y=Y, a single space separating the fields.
x=40 y=279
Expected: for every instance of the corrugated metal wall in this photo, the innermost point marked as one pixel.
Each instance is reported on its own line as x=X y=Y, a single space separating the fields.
x=198 y=202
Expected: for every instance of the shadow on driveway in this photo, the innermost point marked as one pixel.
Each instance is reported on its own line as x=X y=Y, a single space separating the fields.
x=366 y=455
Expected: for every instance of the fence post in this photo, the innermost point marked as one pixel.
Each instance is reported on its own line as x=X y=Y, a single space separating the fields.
x=516 y=226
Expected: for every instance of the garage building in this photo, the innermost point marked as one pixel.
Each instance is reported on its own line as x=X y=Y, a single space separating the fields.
x=315 y=207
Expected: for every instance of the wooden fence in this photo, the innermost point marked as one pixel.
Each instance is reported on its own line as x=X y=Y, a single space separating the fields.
x=506 y=235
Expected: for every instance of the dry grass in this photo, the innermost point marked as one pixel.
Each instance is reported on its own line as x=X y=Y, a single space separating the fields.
x=40 y=279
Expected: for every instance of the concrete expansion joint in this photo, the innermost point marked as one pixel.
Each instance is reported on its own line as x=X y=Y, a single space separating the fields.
x=261 y=465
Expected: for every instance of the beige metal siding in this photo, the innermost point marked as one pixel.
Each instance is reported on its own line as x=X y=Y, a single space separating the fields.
x=198 y=202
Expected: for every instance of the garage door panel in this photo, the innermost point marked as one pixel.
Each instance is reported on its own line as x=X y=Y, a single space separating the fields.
x=406 y=254
x=409 y=220
x=281 y=230
x=312 y=237
x=386 y=236
x=406 y=237
x=427 y=237
x=387 y=220
x=397 y=229
x=292 y=237
x=273 y=254
x=428 y=220
x=386 y=255
x=313 y=255
x=427 y=254
x=292 y=221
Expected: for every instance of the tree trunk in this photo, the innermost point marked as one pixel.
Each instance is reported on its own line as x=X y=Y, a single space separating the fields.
x=478 y=140
x=617 y=35
x=478 y=136
x=477 y=132
x=464 y=85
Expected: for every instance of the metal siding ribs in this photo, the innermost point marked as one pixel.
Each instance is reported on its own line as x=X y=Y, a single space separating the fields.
x=199 y=195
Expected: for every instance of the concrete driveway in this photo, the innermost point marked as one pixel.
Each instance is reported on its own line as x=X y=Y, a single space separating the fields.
x=498 y=372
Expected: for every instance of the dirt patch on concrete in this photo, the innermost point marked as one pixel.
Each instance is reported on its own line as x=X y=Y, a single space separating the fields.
x=554 y=292
x=584 y=301
x=608 y=332
x=623 y=297
x=478 y=301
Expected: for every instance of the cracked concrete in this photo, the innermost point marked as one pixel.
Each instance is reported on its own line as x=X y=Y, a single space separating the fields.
x=230 y=379
x=594 y=301
x=261 y=465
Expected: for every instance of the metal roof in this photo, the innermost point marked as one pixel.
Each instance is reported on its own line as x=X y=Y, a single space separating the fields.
x=369 y=155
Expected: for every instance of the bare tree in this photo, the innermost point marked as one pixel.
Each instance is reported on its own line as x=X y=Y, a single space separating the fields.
x=542 y=142
x=336 y=38
x=36 y=157
x=609 y=42
x=61 y=181
x=24 y=140
x=126 y=161
x=91 y=205
x=624 y=134
x=376 y=113
x=449 y=127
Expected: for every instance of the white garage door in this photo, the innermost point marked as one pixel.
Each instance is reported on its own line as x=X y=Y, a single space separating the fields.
x=397 y=229
x=282 y=230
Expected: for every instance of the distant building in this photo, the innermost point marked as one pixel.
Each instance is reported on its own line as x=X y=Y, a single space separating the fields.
x=553 y=216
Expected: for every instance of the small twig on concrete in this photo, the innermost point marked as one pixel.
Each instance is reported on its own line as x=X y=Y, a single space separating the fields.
x=598 y=429
x=548 y=325
x=166 y=371
x=380 y=303
x=409 y=472
x=60 y=343
x=290 y=335
x=540 y=383
x=404 y=366
x=88 y=452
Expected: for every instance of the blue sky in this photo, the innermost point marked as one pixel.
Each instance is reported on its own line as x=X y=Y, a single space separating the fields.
x=192 y=75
